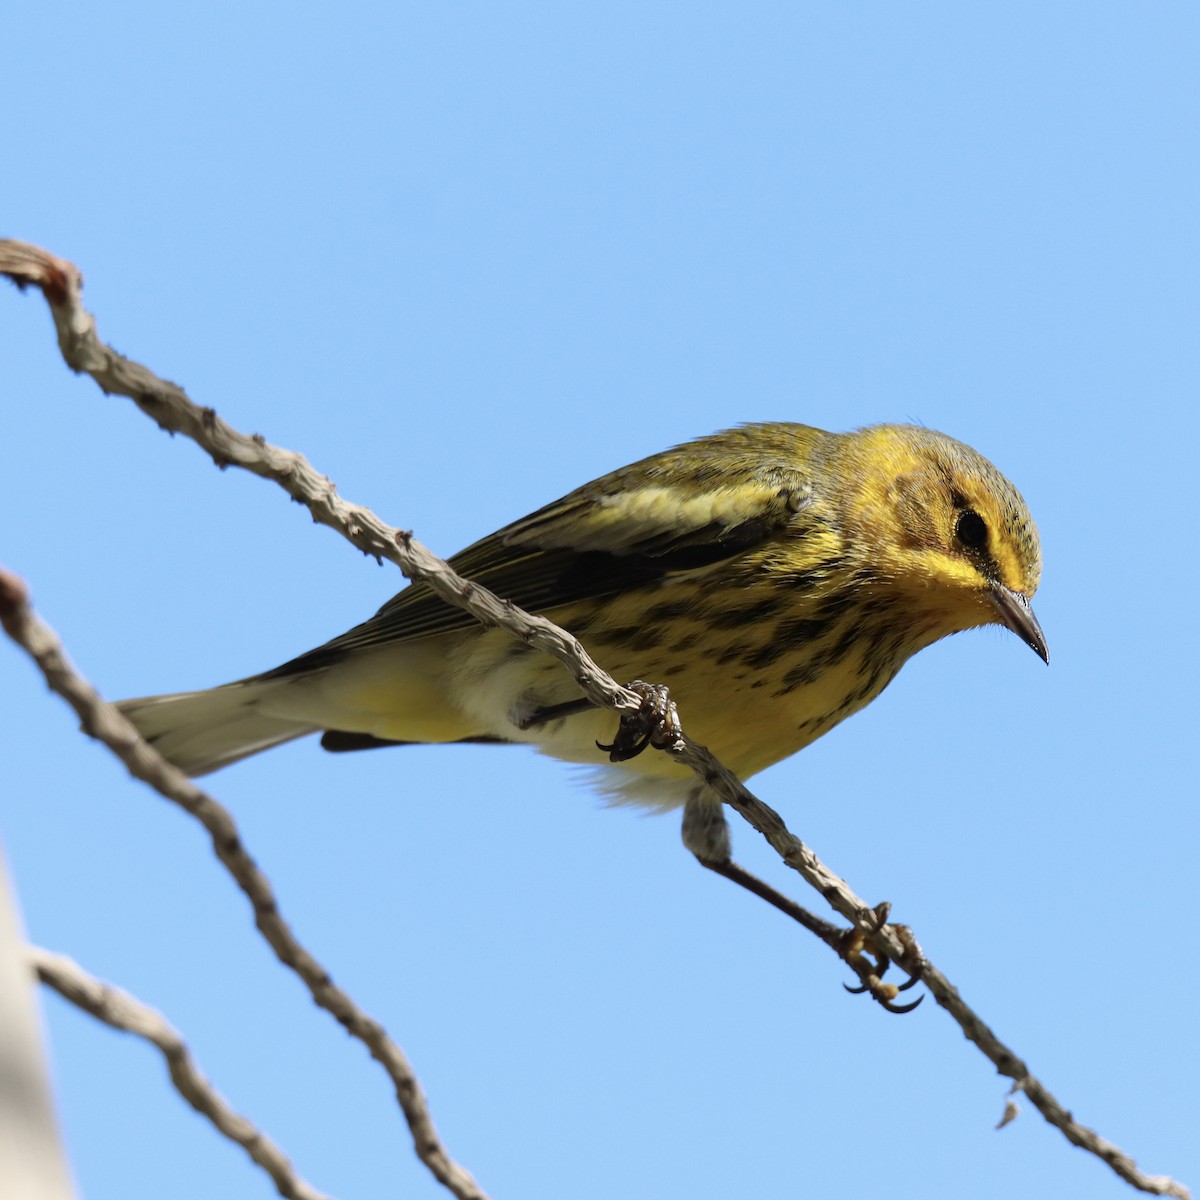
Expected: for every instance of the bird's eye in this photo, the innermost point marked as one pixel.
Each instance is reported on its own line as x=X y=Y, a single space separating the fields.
x=971 y=529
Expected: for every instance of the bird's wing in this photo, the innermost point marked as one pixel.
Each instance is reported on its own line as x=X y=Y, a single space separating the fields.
x=629 y=529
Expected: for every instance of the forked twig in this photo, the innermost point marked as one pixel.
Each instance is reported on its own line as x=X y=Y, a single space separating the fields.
x=122 y=1011
x=106 y=724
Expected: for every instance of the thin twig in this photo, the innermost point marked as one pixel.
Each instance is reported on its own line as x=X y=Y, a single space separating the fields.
x=61 y=284
x=122 y=1011
x=106 y=724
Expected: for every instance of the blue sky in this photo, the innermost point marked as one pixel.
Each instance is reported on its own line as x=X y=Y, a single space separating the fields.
x=466 y=257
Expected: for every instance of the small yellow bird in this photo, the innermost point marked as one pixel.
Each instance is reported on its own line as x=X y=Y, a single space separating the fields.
x=775 y=577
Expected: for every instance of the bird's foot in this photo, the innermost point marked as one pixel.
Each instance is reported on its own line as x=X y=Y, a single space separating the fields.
x=655 y=724
x=870 y=966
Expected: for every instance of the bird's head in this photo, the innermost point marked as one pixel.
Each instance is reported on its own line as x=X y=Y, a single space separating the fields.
x=943 y=528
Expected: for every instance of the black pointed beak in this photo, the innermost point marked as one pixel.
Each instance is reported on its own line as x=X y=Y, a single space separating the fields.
x=1016 y=614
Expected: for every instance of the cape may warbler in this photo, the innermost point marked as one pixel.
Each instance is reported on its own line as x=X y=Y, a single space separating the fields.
x=775 y=577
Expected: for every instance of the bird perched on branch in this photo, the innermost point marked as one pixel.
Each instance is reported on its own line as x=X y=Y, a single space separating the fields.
x=775 y=577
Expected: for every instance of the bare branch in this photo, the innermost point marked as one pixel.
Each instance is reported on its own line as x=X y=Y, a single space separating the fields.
x=61 y=283
x=105 y=723
x=122 y=1011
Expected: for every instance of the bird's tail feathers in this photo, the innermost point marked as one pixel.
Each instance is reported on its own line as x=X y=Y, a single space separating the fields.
x=203 y=731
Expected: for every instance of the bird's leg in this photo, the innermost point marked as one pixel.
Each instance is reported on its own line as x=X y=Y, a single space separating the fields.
x=706 y=835
x=555 y=712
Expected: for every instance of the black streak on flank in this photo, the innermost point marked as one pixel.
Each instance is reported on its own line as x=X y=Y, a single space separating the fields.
x=840 y=648
x=799 y=676
x=632 y=637
x=837 y=604
x=801 y=630
x=764 y=656
x=730 y=653
x=582 y=625
x=648 y=639
x=672 y=610
x=738 y=615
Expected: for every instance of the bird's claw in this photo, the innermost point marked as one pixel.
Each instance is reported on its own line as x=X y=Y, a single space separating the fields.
x=870 y=966
x=655 y=723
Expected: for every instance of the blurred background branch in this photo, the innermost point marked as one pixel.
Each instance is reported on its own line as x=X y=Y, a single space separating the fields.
x=32 y=1162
